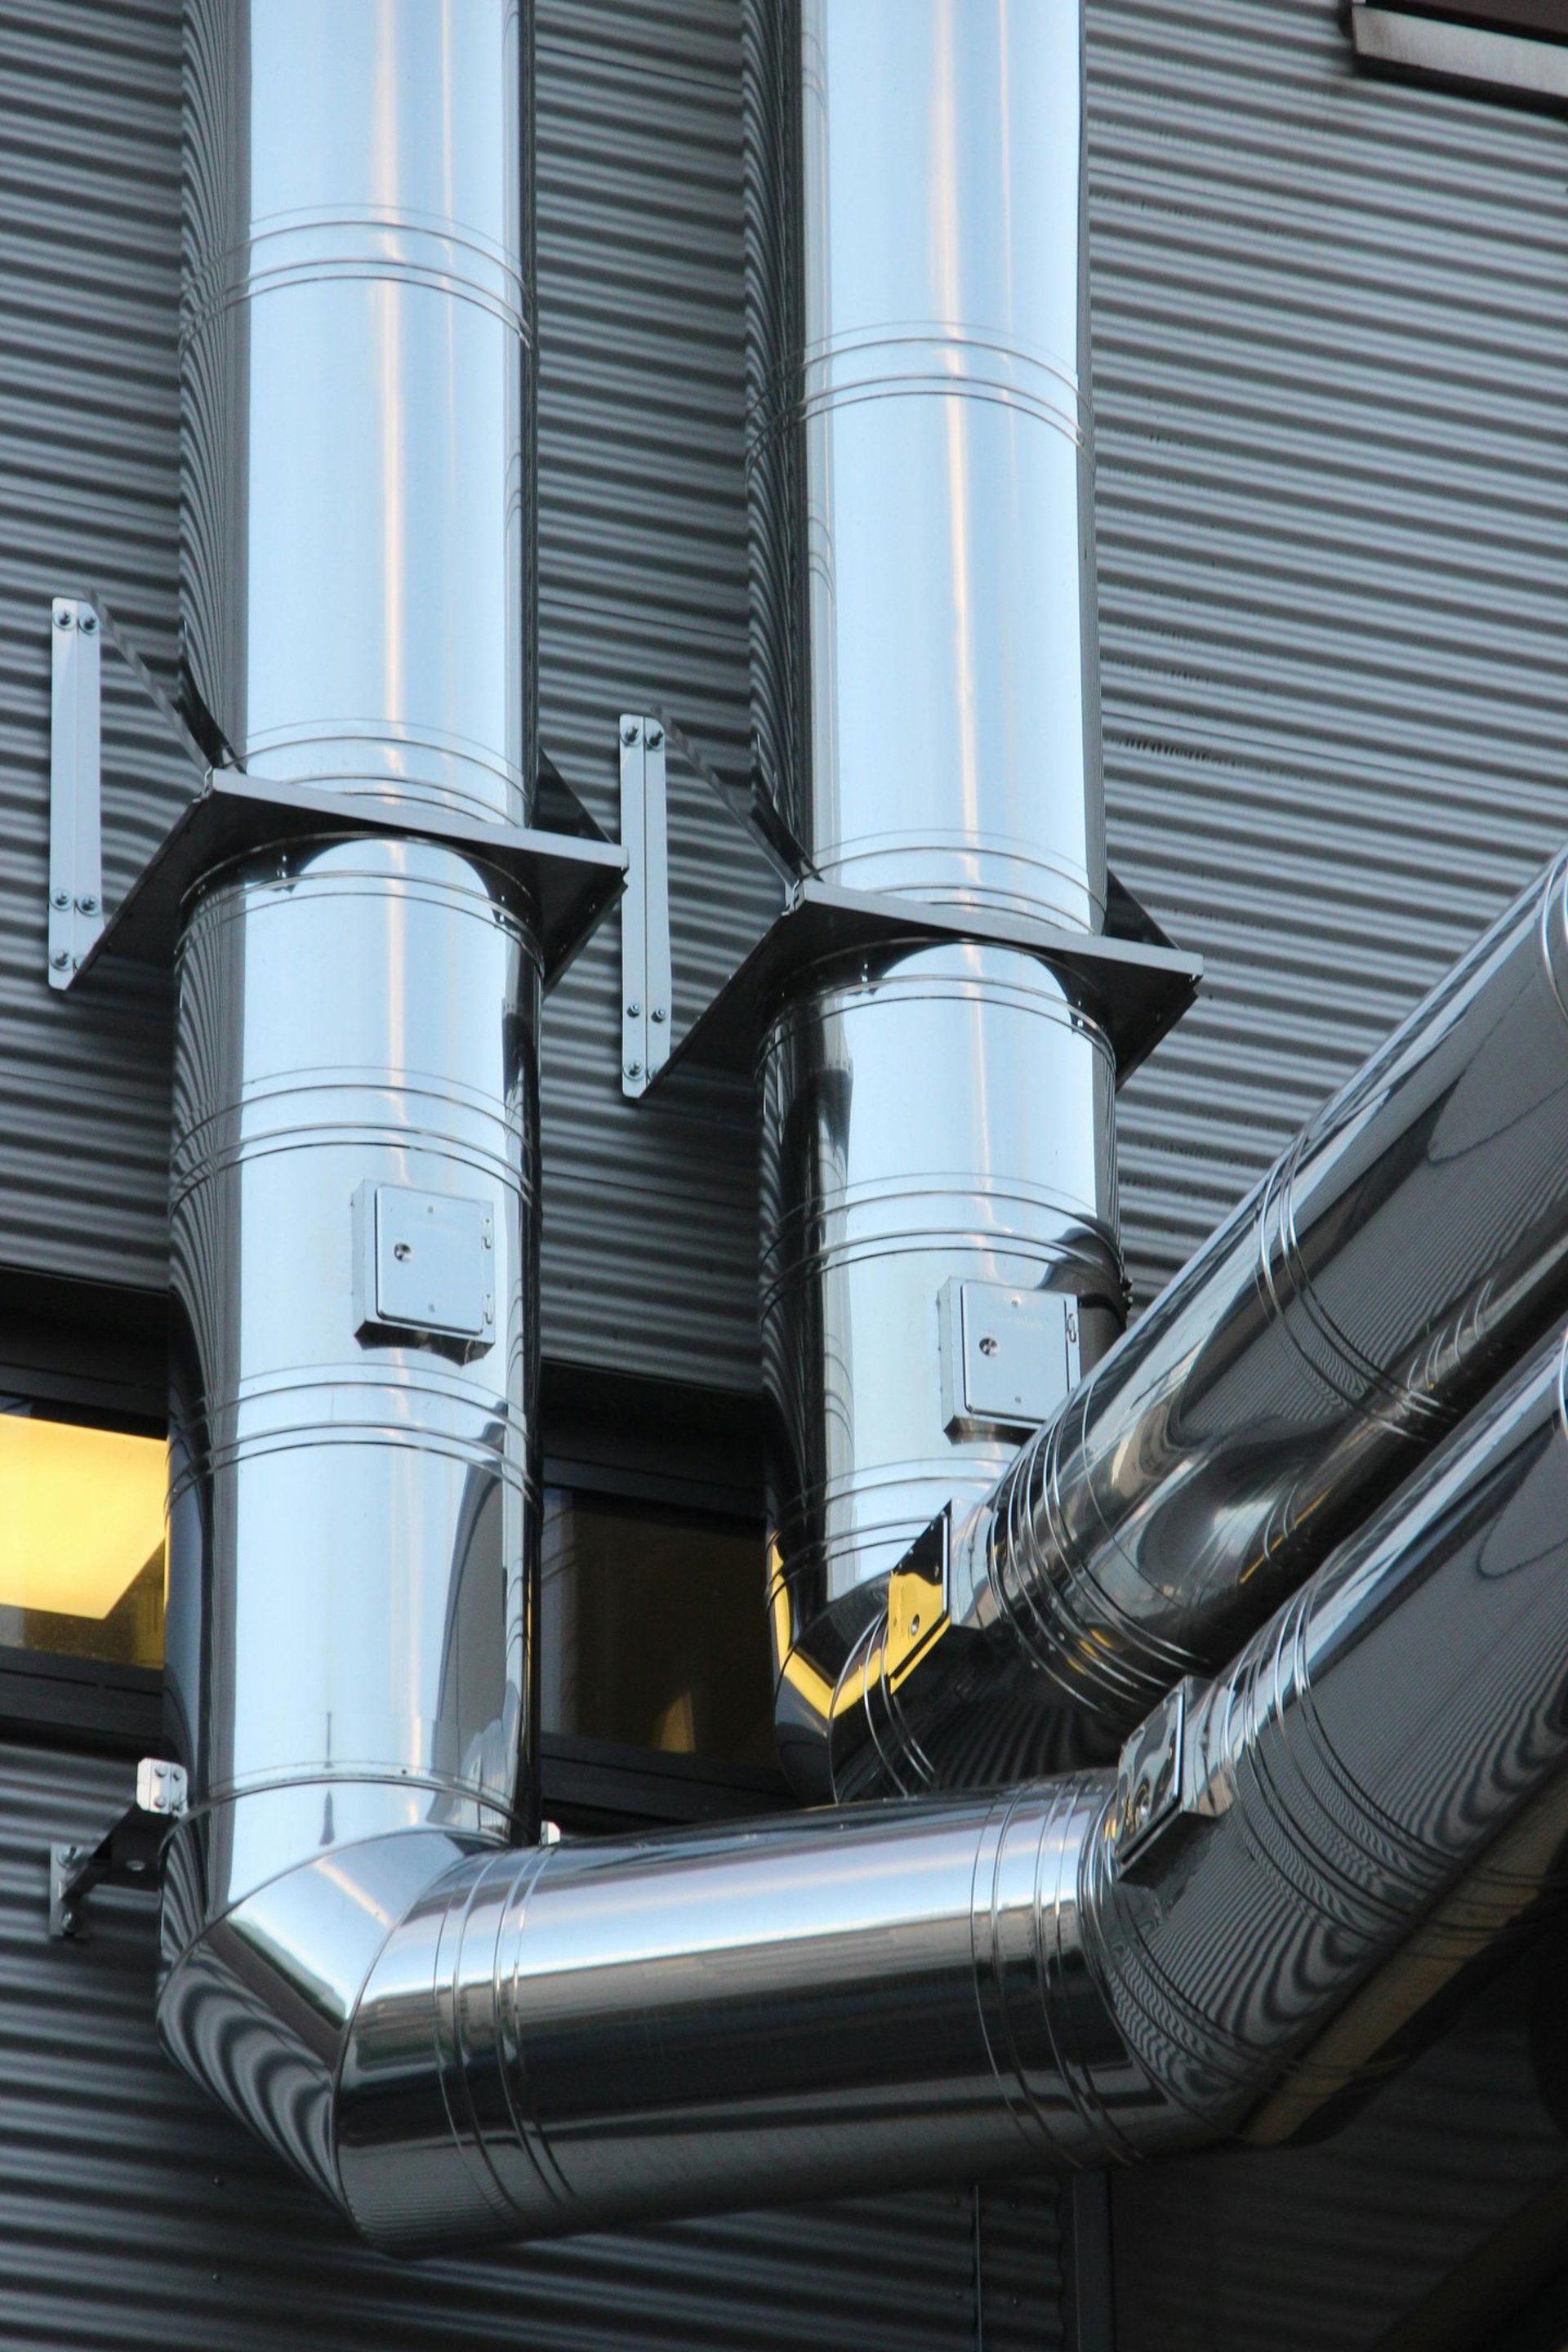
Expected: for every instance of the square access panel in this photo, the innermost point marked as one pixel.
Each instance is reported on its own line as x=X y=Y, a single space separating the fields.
x=425 y=1264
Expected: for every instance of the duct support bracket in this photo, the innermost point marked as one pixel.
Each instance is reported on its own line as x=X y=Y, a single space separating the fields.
x=1130 y=979
x=76 y=859
x=129 y=1853
x=573 y=875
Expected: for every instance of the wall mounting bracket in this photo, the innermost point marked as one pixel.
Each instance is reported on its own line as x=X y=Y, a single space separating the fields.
x=571 y=872
x=129 y=1853
x=1130 y=977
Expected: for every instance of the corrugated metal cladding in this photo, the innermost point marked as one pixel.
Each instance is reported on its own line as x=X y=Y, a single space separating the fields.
x=133 y=2215
x=1331 y=341
x=1330 y=350
x=650 y=1260
x=89 y=282
x=650 y=1223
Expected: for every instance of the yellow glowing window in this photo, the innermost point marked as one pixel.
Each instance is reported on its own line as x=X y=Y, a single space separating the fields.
x=82 y=1540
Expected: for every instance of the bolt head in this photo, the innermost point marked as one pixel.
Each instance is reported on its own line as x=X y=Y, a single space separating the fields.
x=68 y=1918
x=63 y=620
x=659 y=1012
x=60 y=960
x=59 y=901
x=633 y=1012
x=87 y=904
x=629 y=736
x=634 y=1070
x=655 y=738
x=88 y=623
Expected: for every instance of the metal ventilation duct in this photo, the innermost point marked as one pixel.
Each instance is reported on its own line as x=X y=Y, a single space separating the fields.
x=937 y=1122
x=353 y=1497
x=1407 y=1250
x=455 y=2039
x=1088 y=1970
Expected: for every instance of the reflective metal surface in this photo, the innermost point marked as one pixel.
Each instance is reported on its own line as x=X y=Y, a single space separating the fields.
x=923 y=583
x=1411 y=1245
x=359 y=495
x=353 y=1501
x=1090 y=1969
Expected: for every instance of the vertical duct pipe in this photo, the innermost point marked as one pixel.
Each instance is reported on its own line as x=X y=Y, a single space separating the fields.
x=353 y=1496
x=927 y=711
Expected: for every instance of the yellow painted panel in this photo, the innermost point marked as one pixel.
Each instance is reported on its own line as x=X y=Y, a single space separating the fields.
x=81 y=1513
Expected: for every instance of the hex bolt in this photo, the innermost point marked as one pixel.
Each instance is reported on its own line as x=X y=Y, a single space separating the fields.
x=659 y=1012
x=633 y=1012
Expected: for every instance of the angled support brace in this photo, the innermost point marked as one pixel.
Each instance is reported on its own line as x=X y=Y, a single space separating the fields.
x=129 y=1853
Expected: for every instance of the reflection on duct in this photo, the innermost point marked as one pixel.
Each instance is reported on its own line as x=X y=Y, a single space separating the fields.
x=649 y=1633
x=1406 y=1249
x=81 y=1545
x=1093 y=1968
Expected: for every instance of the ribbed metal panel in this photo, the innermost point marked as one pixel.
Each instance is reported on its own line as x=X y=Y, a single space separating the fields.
x=650 y=1223
x=1331 y=322
x=89 y=264
x=133 y=2215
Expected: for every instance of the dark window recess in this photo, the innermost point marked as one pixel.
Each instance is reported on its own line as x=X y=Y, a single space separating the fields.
x=653 y=1633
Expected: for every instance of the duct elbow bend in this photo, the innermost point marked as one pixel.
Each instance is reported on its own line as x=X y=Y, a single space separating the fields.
x=261 y=2003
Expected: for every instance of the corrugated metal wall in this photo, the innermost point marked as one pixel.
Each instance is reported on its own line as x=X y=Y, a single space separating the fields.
x=135 y=2218
x=89 y=284
x=650 y=1223
x=1331 y=322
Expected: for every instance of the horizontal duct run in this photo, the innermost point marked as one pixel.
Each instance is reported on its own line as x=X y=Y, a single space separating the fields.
x=1406 y=1249
x=1095 y=1968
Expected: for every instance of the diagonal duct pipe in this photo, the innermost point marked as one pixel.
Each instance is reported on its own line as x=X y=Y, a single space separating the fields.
x=1406 y=1249
x=453 y=2038
x=937 y=1122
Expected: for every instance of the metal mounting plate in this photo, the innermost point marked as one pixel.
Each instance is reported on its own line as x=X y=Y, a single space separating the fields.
x=1136 y=990
x=575 y=881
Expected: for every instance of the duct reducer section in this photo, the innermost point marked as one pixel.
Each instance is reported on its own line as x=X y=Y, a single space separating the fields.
x=938 y=1160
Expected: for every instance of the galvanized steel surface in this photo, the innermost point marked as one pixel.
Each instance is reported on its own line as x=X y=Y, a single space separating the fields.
x=137 y=2216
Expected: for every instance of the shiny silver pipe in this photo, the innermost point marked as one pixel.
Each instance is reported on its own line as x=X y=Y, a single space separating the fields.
x=1407 y=1248
x=937 y=1130
x=1092 y=1970
x=353 y=1501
